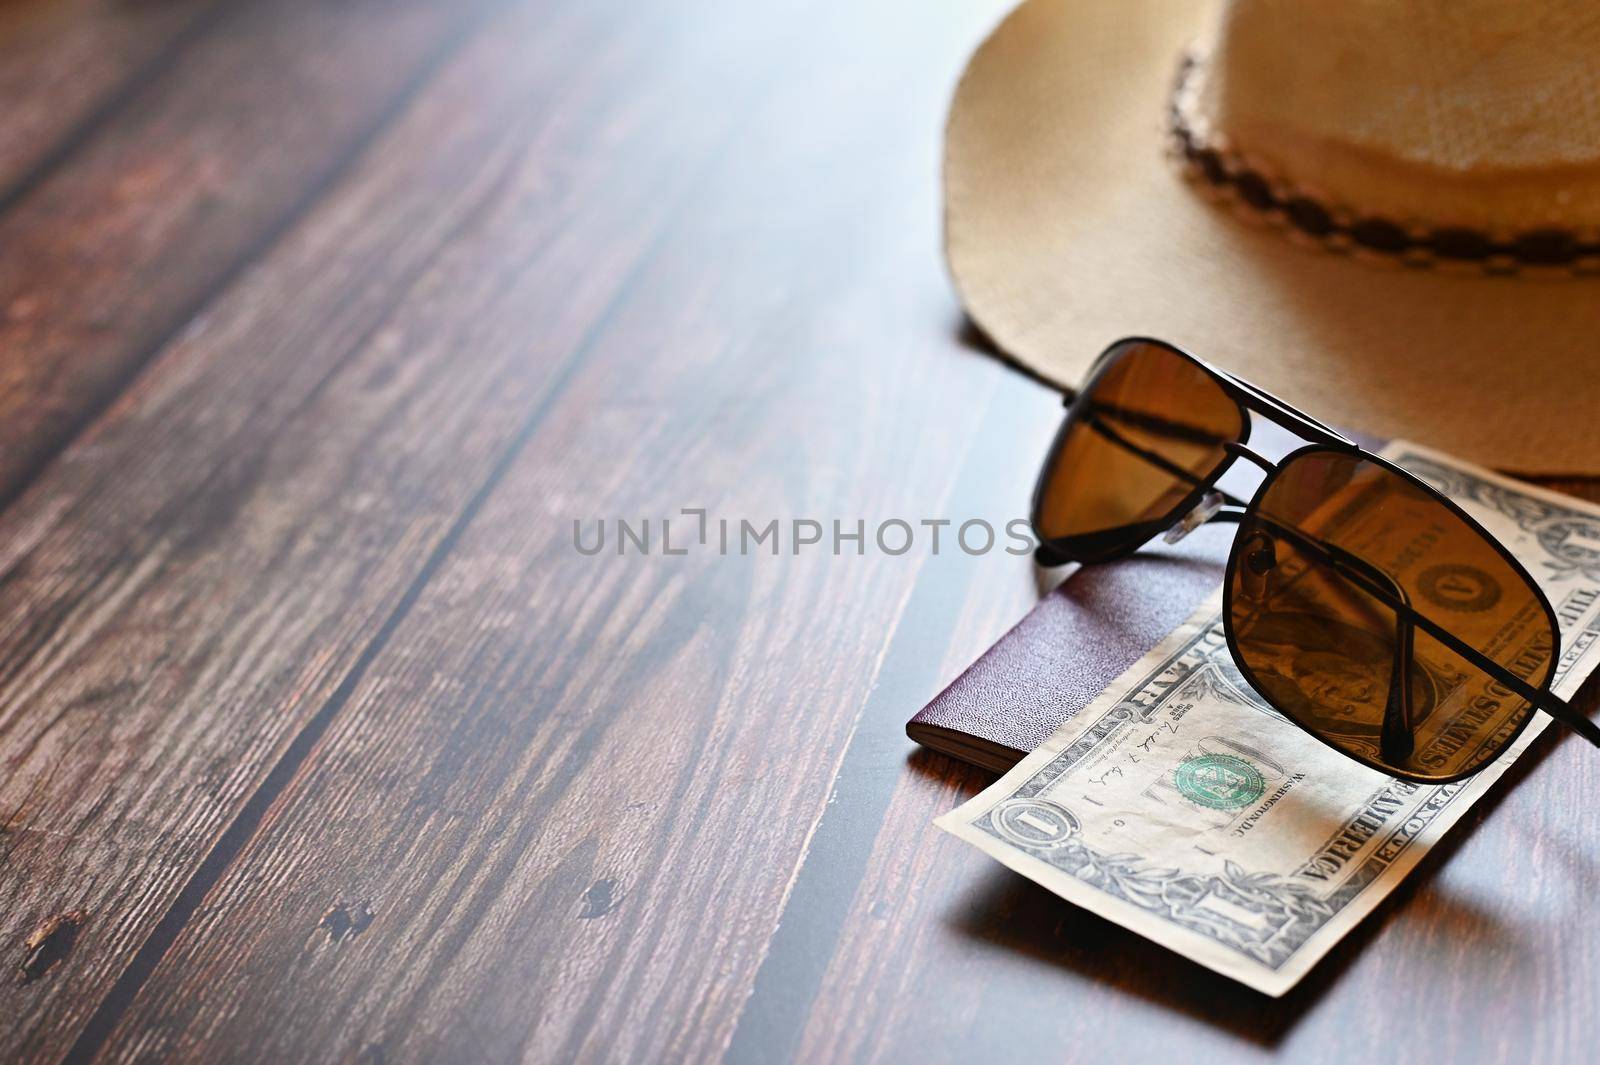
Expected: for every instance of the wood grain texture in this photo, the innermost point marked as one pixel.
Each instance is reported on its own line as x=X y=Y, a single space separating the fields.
x=69 y=67
x=319 y=740
x=188 y=587
x=573 y=792
x=117 y=246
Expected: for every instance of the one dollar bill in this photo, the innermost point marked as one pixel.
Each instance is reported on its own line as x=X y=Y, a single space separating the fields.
x=1179 y=805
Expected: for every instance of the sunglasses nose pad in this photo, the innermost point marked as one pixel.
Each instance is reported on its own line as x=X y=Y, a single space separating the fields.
x=1203 y=512
x=1260 y=553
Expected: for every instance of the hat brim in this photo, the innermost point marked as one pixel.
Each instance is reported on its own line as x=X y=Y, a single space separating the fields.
x=1066 y=226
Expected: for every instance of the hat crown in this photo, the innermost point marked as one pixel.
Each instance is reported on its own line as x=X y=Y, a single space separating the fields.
x=1476 y=113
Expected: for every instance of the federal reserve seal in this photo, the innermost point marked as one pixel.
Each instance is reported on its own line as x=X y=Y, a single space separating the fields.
x=1459 y=587
x=1220 y=781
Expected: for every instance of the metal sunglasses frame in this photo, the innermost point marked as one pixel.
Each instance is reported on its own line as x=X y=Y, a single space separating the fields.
x=1254 y=401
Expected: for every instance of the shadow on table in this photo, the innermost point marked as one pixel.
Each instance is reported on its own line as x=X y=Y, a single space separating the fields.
x=1013 y=913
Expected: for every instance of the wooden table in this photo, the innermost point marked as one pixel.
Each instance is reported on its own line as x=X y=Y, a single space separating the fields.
x=322 y=321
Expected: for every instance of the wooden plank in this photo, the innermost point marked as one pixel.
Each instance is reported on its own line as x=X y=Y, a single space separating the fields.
x=190 y=585
x=958 y=623
x=110 y=252
x=67 y=66
x=566 y=801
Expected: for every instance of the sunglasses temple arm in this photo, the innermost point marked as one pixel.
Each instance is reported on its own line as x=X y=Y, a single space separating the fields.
x=1569 y=716
x=1397 y=739
x=1159 y=461
x=1545 y=700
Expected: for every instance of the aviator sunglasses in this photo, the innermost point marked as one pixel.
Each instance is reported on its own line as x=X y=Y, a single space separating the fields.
x=1358 y=601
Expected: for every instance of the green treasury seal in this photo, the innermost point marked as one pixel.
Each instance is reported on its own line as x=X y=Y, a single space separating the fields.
x=1220 y=781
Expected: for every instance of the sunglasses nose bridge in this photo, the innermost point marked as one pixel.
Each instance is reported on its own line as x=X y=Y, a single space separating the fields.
x=1238 y=450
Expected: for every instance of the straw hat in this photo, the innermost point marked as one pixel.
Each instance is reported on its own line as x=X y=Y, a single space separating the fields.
x=1386 y=211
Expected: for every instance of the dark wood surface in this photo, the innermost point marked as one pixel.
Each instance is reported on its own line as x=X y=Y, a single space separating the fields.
x=322 y=321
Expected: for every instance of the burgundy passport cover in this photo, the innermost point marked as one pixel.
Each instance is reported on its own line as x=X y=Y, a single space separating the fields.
x=1080 y=638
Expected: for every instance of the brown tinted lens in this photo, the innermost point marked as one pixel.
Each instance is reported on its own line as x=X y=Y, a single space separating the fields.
x=1330 y=539
x=1148 y=429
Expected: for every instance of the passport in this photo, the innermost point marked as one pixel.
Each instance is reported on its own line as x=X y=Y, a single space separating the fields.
x=1069 y=648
